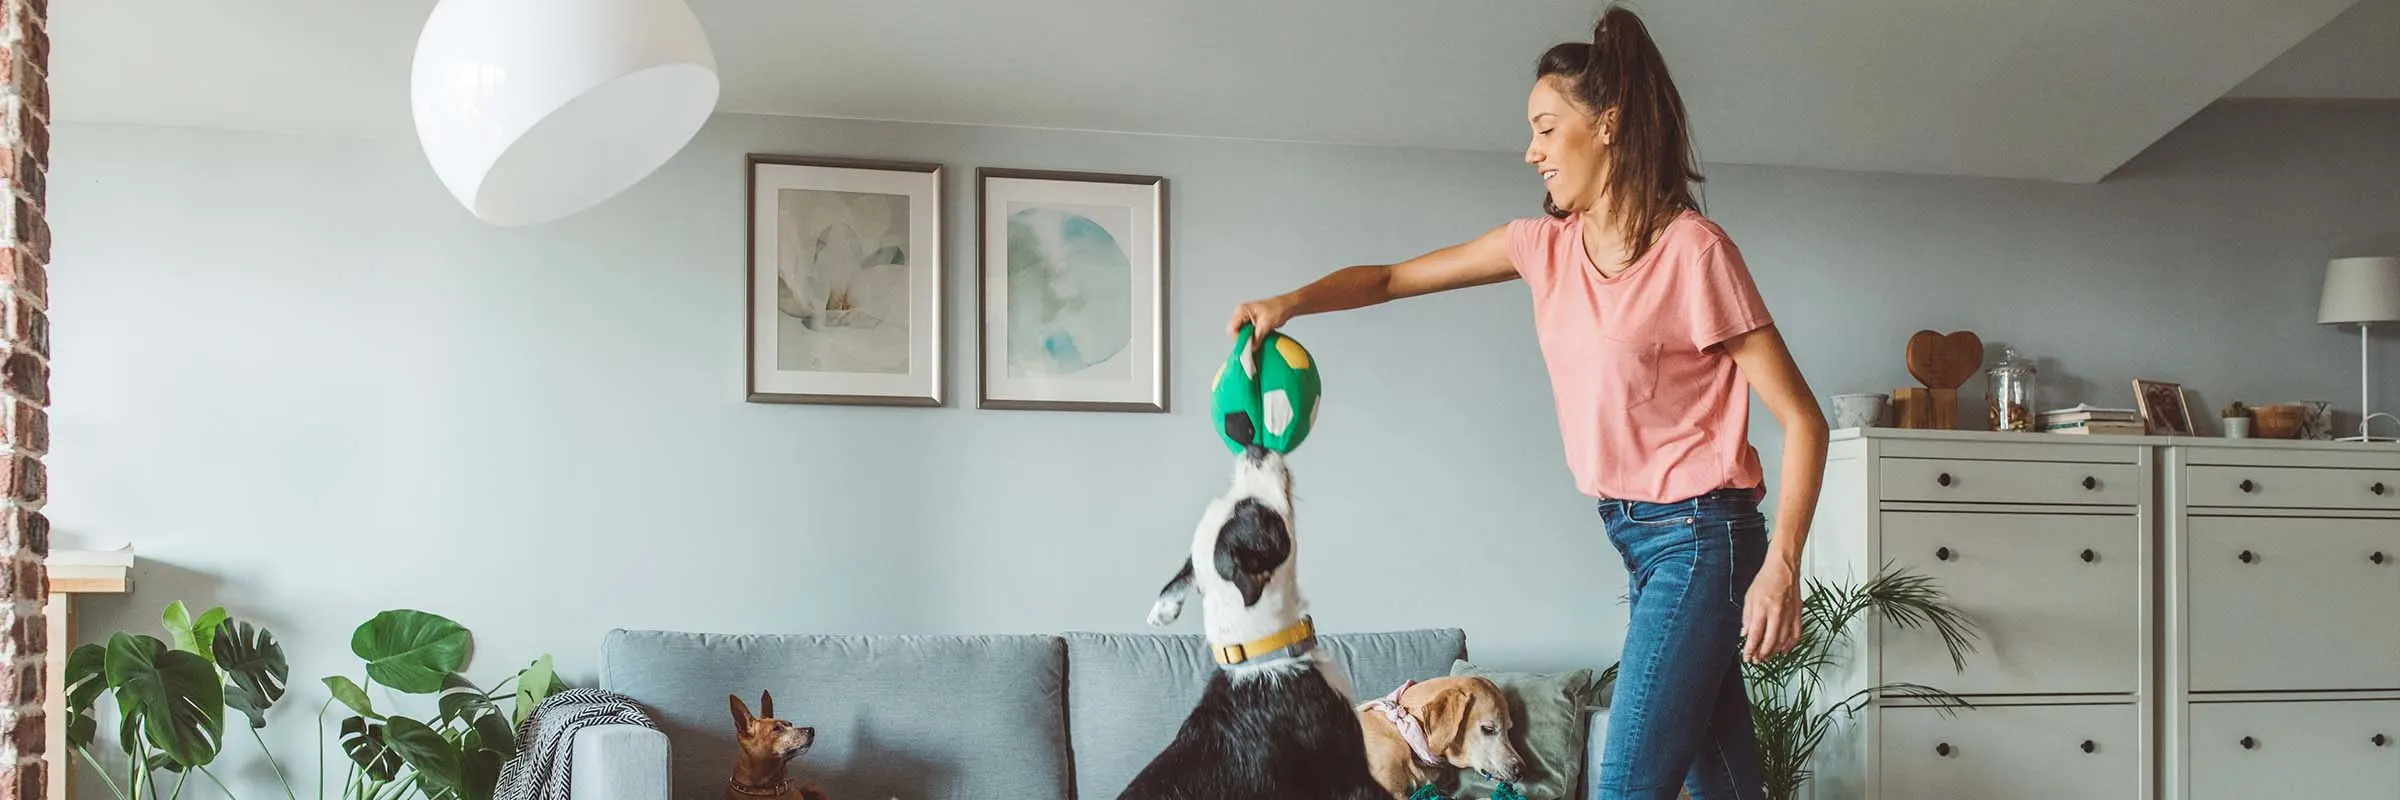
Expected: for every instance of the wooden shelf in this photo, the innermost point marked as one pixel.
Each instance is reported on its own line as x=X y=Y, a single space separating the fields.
x=72 y=572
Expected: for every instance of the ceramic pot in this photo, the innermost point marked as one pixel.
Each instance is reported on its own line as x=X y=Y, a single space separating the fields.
x=2237 y=427
x=1860 y=410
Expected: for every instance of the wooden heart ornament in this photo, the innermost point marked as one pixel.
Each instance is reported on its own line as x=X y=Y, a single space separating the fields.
x=1944 y=361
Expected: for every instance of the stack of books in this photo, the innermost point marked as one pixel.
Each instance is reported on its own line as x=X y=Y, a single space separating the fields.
x=2089 y=420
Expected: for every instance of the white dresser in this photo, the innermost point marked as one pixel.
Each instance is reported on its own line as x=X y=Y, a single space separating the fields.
x=2160 y=617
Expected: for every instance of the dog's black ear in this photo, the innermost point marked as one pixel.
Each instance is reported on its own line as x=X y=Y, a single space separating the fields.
x=766 y=704
x=741 y=713
x=1252 y=543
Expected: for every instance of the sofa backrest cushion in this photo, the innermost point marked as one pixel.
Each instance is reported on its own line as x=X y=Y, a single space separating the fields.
x=1128 y=693
x=921 y=717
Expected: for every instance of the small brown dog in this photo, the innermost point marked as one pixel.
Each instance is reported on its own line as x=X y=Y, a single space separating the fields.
x=1464 y=723
x=763 y=768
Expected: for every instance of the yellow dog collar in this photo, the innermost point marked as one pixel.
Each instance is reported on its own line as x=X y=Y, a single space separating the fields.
x=1300 y=638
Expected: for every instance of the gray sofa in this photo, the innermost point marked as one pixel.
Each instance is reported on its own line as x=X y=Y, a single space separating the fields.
x=1006 y=717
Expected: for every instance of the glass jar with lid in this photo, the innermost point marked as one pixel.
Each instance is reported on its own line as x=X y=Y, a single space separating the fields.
x=2009 y=392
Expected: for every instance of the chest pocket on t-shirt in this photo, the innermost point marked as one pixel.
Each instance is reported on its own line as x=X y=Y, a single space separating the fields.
x=1628 y=372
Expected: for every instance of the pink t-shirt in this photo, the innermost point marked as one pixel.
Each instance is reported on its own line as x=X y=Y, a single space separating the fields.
x=1650 y=406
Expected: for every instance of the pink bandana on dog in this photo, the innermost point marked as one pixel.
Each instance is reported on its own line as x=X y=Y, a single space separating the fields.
x=1411 y=730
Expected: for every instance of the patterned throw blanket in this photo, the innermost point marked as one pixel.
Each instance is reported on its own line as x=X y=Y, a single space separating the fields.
x=545 y=742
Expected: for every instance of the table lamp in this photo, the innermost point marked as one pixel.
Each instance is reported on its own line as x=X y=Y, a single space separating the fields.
x=2362 y=292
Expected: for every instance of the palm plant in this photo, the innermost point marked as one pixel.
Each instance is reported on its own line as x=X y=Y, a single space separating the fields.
x=1785 y=708
x=1788 y=708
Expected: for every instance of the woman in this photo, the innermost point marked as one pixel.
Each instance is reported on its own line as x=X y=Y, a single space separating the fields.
x=1654 y=335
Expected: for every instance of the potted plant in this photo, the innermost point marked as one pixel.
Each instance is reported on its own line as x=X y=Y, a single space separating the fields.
x=171 y=699
x=1788 y=706
x=2237 y=420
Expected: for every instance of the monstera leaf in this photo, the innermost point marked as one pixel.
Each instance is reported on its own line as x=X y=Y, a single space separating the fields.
x=194 y=636
x=355 y=698
x=492 y=733
x=174 y=696
x=410 y=651
x=87 y=678
x=365 y=743
x=534 y=685
x=435 y=759
x=253 y=661
x=479 y=770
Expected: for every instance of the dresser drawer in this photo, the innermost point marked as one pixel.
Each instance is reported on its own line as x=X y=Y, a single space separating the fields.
x=2011 y=752
x=2291 y=487
x=1941 y=480
x=2056 y=599
x=2301 y=749
x=2292 y=604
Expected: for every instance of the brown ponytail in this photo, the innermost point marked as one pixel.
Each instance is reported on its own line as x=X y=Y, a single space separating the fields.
x=1650 y=163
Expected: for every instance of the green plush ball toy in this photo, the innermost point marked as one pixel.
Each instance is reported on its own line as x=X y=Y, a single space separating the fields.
x=1268 y=396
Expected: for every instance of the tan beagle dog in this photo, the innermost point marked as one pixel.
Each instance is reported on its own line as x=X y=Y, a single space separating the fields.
x=1464 y=723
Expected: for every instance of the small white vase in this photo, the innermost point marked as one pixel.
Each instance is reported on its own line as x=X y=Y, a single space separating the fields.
x=2237 y=427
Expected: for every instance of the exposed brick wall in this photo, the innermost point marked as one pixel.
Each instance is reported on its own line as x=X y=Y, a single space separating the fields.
x=24 y=392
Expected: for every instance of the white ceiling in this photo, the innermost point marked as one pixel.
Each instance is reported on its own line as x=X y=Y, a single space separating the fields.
x=2044 y=89
x=2355 y=57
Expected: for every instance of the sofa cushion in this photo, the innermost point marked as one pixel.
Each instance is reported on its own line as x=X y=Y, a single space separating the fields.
x=1128 y=693
x=896 y=716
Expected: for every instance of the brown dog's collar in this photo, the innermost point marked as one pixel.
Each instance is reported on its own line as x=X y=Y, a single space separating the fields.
x=760 y=791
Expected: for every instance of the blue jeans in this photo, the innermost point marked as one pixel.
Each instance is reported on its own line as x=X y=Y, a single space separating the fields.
x=1680 y=716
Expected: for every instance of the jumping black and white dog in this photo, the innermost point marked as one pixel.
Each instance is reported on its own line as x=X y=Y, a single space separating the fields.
x=1276 y=720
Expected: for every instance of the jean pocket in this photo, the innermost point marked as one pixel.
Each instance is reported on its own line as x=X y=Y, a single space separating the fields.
x=1656 y=515
x=1745 y=554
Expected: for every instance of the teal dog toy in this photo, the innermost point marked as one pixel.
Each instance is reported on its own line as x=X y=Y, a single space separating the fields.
x=1430 y=792
x=1267 y=396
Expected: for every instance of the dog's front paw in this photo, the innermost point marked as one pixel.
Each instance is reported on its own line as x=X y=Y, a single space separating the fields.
x=1165 y=611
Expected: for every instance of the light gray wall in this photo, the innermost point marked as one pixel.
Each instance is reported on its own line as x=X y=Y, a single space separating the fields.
x=306 y=386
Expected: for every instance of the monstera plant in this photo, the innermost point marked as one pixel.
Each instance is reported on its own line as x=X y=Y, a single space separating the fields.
x=172 y=697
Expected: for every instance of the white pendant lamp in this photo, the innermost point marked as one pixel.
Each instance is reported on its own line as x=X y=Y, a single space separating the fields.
x=531 y=110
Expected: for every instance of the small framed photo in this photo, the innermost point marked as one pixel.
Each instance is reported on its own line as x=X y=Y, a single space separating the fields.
x=2164 y=411
x=1071 y=291
x=845 y=282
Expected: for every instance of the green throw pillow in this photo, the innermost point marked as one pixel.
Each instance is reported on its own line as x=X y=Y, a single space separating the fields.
x=1552 y=717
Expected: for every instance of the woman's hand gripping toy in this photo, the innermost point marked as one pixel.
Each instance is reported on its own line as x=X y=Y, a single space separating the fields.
x=1266 y=395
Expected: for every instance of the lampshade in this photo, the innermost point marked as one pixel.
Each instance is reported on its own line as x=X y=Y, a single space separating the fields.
x=531 y=110
x=2361 y=290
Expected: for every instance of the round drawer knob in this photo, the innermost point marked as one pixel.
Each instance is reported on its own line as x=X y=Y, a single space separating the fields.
x=2378 y=488
x=2380 y=740
x=1943 y=554
x=1942 y=749
x=2090 y=482
x=2249 y=557
x=2089 y=556
x=2249 y=743
x=1943 y=479
x=2377 y=558
x=2248 y=486
x=2088 y=746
